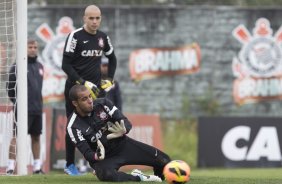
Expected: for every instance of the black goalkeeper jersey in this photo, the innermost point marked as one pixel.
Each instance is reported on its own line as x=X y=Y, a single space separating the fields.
x=84 y=131
x=82 y=55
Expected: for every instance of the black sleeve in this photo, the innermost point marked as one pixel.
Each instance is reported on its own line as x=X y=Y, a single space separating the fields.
x=68 y=68
x=118 y=98
x=112 y=65
x=116 y=114
x=110 y=54
x=11 y=84
x=81 y=144
x=69 y=53
x=86 y=151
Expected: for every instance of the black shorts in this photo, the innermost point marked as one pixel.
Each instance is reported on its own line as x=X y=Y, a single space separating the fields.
x=34 y=125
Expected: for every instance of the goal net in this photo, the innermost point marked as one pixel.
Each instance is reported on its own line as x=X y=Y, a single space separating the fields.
x=8 y=56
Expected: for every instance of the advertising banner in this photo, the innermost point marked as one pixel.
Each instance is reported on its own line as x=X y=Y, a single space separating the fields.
x=257 y=67
x=239 y=142
x=52 y=55
x=156 y=62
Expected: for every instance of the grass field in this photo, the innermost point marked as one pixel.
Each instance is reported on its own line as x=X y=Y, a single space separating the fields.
x=183 y=147
x=206 y=176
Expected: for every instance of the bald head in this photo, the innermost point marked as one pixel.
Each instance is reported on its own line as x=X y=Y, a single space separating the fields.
x=90 y=9
x=92 y=19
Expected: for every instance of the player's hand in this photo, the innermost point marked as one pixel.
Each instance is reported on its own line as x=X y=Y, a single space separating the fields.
x=92 y=88
x=107 y=85
x=117 y=129
x=100 y=152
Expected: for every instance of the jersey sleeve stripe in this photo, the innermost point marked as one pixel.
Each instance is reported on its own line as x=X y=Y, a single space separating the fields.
x=109 y=52
x=69 y=129
x=111 y=47
x=70 y=39
x=112 y=111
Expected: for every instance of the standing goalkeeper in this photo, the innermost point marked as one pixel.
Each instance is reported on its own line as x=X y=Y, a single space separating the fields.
x=98 y=129
x=83 y=50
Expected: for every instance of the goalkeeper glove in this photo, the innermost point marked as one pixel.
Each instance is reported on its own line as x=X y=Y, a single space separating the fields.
x=94 y=91
x=117 y=129
x=100 y=152
x=107 y=85
x=92 y=88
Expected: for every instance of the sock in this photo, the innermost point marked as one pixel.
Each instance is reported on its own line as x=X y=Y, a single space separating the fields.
x=36 y=165
x=11 y=164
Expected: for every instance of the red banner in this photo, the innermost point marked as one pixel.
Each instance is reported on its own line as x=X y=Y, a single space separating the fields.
x=154 y=62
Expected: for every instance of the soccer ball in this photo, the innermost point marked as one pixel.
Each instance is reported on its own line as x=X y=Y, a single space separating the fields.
x=177 y=172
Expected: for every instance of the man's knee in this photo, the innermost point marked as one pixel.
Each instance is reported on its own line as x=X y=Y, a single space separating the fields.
x=35 y=138
x=163 y=159
x=105 y=174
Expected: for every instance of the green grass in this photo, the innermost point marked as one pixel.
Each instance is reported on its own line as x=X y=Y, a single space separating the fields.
x=205 y=176
x=180 y=142
x=242 y=176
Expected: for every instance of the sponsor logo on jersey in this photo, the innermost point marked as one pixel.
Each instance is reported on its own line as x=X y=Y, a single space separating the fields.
x=93 y=139
x=97 y=136
x=79 y=135
x=258 y=66
x=101 y=42
x=73 y=44
x=87 y=53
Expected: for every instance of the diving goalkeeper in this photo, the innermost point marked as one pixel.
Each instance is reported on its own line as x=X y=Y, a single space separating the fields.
x=98 y=129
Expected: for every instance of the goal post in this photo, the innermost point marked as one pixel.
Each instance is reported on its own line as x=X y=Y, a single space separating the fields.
x=14 y=149
x=21 y=60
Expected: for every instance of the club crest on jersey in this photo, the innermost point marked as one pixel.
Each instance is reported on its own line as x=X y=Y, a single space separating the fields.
x=41 y=71
x=102 y=115
x=101 y=42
